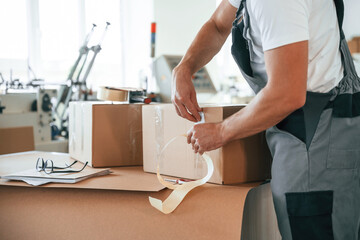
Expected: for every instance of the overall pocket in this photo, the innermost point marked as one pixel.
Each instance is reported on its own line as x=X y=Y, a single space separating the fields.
x=344 y=148
x=310 y=215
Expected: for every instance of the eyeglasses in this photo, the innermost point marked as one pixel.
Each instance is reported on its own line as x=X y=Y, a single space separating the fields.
x=48 y=167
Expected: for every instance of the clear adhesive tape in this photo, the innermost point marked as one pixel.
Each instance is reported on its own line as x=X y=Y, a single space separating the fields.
x=180 y=191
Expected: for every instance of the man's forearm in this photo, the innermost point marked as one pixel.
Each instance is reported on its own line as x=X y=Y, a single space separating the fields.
x=205 y=46
x=264 y=111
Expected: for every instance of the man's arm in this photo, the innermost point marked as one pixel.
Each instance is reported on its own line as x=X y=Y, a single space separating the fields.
x=205 y=46
x=285 y=92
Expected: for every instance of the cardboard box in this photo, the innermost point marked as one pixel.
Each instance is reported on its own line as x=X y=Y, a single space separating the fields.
x=116 y=206
x=354 y=45
x=17 y=139
x=105 y=134
x=240 y=161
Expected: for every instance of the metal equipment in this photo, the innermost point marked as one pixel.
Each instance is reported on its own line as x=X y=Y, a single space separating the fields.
x=163 y=67
x=76 y=81
x=32 y=107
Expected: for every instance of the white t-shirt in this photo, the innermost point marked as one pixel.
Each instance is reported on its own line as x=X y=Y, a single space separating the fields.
x=275 y=23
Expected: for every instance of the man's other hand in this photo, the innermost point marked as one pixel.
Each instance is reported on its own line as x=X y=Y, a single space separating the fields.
x=183 y=95
x=205 y=137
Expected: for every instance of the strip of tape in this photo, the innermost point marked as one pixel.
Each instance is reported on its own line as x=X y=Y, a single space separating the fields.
x=180 y=191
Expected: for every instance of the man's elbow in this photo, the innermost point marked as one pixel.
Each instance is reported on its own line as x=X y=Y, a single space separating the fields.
x=294 y=102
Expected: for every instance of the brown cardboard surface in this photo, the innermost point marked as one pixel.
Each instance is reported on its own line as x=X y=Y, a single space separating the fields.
x=244 y=160
x=122 y=178
x=259 y=218
x=354 y=45
x=210 y=212
x=17 y=139
x=117 y=135
x=57 y=211
x=105 y=134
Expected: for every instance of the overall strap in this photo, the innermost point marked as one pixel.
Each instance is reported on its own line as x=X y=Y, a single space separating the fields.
x=346 y=103
x=238 y=14
x=348 y=63
x=339 y=4
x=240 y=46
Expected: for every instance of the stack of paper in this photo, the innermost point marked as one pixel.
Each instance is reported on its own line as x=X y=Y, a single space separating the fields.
x=35 y=178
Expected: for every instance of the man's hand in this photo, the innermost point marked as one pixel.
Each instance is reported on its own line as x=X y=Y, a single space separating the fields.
x=205 y=137
x=184 y=95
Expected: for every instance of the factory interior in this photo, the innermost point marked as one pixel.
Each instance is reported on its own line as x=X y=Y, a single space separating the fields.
x=94 y=143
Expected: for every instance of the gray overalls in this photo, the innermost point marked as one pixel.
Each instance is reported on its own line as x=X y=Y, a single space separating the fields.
x=316 y=151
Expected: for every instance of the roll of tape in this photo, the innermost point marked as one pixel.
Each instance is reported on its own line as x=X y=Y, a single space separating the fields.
x=180 y=191
x=115 y=94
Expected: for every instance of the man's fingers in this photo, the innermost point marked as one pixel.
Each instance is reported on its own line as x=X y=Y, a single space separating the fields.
x=193 y=111
x=196 y=147
x=187 y=108
x=193 y=140
x=177 y=110
x=194 y=100
x=185 y=113
x=189 y=136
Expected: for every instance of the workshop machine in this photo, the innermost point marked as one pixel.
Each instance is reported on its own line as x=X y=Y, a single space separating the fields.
x=46 y=109
x=232 y=90
x=163 y=67
x=32 y=107
x=76 y=88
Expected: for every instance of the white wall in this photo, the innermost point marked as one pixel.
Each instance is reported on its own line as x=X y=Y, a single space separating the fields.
x=136 y=16
x=178 y=22
x=352 y=18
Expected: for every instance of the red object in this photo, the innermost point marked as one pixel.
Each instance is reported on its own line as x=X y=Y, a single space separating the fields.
x=153 y=27
x=185 y=180
x=147 y=100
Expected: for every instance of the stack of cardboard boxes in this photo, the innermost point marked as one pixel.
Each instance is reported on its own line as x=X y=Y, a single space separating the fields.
x=108 y=135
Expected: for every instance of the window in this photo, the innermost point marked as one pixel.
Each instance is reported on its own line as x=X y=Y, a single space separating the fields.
x=47 y=35
x=59 y=39
x=13 y=41
x=108 y=67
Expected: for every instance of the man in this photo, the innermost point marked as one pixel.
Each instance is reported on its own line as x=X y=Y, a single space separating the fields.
x=294 y=55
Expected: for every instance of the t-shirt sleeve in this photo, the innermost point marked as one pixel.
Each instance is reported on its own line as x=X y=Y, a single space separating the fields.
x=235 y=3
x=281 y=22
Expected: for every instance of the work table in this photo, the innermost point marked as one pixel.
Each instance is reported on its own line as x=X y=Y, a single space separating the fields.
x=116 y=206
